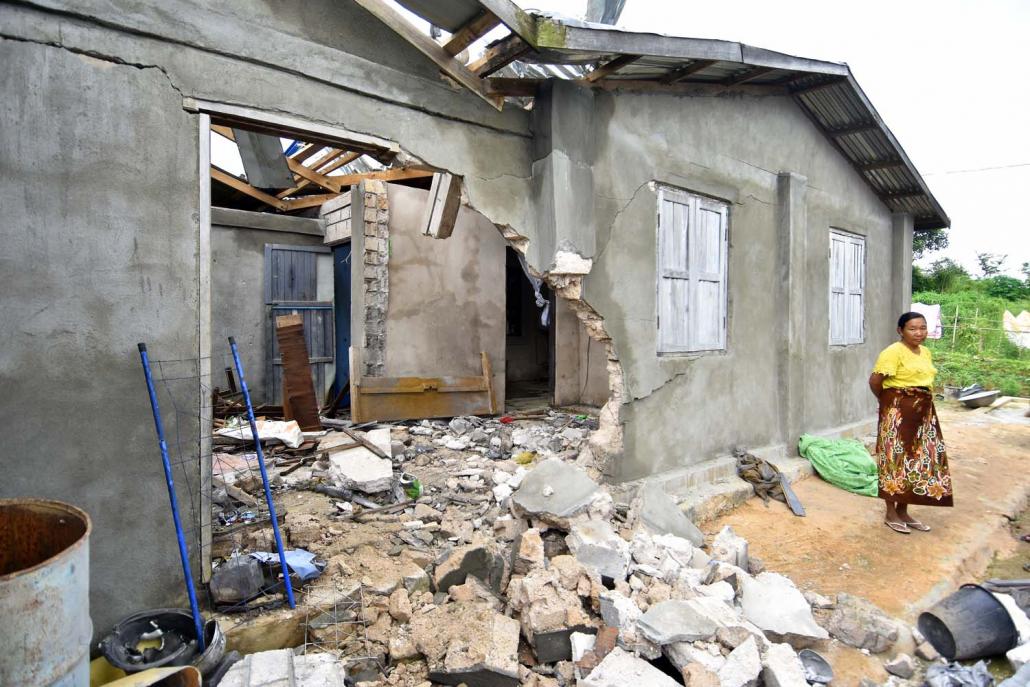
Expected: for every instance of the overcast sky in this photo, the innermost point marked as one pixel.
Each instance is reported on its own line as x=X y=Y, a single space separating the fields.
x=949 y=77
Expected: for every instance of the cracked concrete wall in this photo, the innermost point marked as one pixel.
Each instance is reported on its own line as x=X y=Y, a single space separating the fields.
x=681 y=410
x=101 y=229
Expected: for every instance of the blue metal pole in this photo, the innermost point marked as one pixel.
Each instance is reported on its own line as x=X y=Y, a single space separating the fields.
x=264 y=473
x=198 y=622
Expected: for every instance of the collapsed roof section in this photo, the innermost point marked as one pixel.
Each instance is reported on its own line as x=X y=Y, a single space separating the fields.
x=539 y=47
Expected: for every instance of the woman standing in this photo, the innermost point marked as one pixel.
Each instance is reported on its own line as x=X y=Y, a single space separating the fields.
x=910 y=450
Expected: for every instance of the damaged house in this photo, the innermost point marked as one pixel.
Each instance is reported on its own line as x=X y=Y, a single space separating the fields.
x=709 y=241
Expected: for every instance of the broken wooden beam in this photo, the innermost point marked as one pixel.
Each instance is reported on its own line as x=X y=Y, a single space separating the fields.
x=442 y=206
x=298 y=387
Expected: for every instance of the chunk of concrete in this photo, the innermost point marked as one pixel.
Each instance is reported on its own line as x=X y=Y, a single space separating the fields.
x=660 y=514
x=730 y=548
x=379 y=572
x=902 y=665
x=527 y=552
x=475 y=590
x=742 y=667
x=697 y=675
x=774 y=604
x=1019 y=656
x=782 y=667
x=618 y=610
x=468 y=643
x=361 y=470
x=555 y=491
x=481 y=560
x=280 y=668
x=581 y=643
x=596 y=545
x=621 y=669
x=549 y=614
x=676 y=621
x=860 y=624
x=683 y=654
x=400 y=606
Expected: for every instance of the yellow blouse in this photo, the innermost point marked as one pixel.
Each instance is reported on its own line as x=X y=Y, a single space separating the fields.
x=903 y=368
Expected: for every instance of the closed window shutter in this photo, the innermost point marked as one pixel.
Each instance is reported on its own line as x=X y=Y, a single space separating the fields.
x=855 y=290
x=673 y=273
x=838 y=290
x=708 y=275
x=847 y=288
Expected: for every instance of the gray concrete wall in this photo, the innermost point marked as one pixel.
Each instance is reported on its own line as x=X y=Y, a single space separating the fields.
x=580 y=363
x=237 y=286
x=681 y=410
x=100 y=236
x=446 y=295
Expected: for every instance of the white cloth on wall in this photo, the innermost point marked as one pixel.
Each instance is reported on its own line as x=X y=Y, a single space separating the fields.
x=932 y=313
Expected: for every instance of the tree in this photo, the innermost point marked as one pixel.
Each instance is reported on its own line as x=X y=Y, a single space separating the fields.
x=945 y=275
x=1025 y=269
x=1009 y=288
x=928 y=241
x=990 y=263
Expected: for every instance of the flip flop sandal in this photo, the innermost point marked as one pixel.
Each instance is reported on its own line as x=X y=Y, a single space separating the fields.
x=918 y=526
x=899 y=527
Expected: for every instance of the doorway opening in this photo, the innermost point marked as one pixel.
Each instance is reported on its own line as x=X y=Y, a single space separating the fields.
x=529 y=339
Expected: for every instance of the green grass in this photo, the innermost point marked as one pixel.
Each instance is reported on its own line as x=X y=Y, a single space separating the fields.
x=977 y=351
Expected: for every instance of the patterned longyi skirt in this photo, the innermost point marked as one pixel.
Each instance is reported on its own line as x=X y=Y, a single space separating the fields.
x=910 y=451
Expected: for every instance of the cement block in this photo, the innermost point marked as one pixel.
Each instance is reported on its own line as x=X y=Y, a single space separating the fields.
x=676 y=621
x=776 y=606
x=468 y=643
x=555 y=490
x=281 y=668
x=730 y=548
x=742 y=666
x=360 y=469
x=782 y=667
x=596 y=545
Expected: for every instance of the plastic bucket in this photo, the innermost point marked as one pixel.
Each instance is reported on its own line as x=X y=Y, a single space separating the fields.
x=970 y=623
x=175 y=634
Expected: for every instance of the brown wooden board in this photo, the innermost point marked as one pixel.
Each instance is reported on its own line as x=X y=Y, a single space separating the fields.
x=415 y=398
x=299 y=399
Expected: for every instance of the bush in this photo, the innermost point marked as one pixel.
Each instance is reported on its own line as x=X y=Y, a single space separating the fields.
x=1007 y=288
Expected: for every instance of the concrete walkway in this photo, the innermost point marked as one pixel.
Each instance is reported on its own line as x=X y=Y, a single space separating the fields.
x=843 y=546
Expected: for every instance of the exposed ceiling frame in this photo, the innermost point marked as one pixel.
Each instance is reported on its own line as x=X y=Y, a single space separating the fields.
x=681 y=73
x=478 y=27
x=611 y=67
x=501 y=53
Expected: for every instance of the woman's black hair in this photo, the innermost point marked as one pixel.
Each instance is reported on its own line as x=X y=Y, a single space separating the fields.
x=903 y=320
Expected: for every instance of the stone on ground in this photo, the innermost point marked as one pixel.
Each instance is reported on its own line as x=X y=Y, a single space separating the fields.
x=480 y=560
x=528 y=552
x=696 y=675
x=730 y=548
x=555 y=491
x=1019 y=656
x=860 y=624
x=468 y=643
x=361 y=470
x=774 y=604
x=782 y=667
x=618 y=610
x=661 y=515
x=377 y=571
x=621 y=669
x=280 y=668
x=596 y=545
x=902 y=665
x=742 y=666
x=400 y=606
x=926 y=652
x=676 y=621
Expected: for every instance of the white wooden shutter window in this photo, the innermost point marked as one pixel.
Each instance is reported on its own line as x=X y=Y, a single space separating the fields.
x=847 y=288
x=692 y=252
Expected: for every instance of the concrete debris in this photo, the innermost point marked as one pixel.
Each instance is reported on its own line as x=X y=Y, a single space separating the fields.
x=729 y=548
x=926 y=652
x=536 y=496
x=697 y=675
x=620 y=669
x=742 y=667
x=481 y=560
x=860 y=624
x=379 y=572
x=774 y=604
x=902 y=665
x=549 y=613
x=782 y=667
x=281 y=668
x=359 y=469
x=468 y=643
x=676 y=621
x=475 y=590
x=400 y=606
x=596 y=545
x=661 y=515
x=683 y=654
x=818 y=601
x=527 y=552
x=618 y=611
x=1019 y=656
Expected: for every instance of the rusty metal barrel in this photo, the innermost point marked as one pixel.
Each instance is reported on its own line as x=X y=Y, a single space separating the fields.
x=45 y=628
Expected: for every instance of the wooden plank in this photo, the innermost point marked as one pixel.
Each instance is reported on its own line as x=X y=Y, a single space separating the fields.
x=308 y=201
x=244 y=187
x=501 y=53
x=394 y=174
x=298 y=388
x=681 y=73
x=313 y=176
x=480 y=25
x=442 y=206
x=332 y=166
x=611 y=67
x=506 y=86
x=224 y=131
x=307 y=151
x=514 y=18
x=430 y=48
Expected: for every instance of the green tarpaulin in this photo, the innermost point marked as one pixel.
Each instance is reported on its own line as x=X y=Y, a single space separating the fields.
x=842 y=462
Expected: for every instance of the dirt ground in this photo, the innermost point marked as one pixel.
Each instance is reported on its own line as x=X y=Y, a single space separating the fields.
x=842 y=544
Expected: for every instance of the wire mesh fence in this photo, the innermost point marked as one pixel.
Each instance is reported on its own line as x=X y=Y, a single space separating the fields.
x=975 y=348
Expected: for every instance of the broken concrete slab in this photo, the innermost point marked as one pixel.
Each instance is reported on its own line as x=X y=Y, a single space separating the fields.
x=676 y=621
x=777 y=607
x=618 y=610
x=742 y=667
x=621 y=668
x=860 y=624
x=484 y=561
x=378 y=571
x=468 y=643
x=683 y=654
x=596 y=545
x=697 y=675
x=659 y=513
x=361 y=470
x=555 y=491
x=280 y=668
x=1019 y=656
x=782 y=667
x=730 y=548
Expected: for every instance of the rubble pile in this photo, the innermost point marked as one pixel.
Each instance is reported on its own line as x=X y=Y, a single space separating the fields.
x=488 y=554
